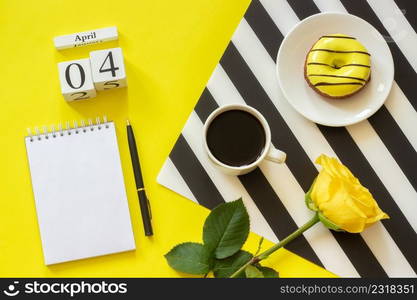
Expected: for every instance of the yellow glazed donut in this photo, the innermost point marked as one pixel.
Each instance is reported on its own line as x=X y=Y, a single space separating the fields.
x=337 y=66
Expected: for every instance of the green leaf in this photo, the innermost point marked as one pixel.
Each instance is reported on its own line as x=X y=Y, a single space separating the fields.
x=224 y=268
x=253 y=272
x=191 y=258
x=226 y=229
x=268 y=272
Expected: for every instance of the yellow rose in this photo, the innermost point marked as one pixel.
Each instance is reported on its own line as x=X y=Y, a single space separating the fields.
x=340 y=199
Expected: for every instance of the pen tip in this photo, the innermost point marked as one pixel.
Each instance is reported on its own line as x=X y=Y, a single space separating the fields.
x=127 y=121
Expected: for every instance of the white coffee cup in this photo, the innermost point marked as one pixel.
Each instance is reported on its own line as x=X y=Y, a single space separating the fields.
x=269 y=152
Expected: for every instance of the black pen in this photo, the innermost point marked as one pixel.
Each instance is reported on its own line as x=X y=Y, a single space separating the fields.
x=143 y=200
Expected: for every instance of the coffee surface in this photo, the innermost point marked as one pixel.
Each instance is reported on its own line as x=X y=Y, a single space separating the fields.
x=236 y=138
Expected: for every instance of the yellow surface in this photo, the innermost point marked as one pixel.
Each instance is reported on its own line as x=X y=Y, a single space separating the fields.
x=170 y=48
x=346 y=78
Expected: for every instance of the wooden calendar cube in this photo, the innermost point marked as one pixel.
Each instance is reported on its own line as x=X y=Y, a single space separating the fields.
x=76 y=80
x=108 y=69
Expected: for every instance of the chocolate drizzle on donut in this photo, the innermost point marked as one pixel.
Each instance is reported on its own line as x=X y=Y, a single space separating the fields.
x=334 y=67
x=337 y=83
x=338 y=37
x=337 y=76
x=340 y=51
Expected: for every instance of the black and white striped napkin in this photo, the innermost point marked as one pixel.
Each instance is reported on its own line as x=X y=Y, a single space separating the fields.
x=380 y=151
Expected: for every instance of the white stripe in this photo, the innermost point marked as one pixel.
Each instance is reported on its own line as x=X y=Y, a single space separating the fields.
x=403 y=112
x=229 y=186
x=172 y=179
x=370 y=150
x=398 y=28
x=281 y=13
x=221 y=88
x=288 y=189
x=387 y=252
x=326 y=5
x=397 y=103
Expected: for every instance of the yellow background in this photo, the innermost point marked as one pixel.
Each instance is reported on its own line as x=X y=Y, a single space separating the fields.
x=170 y=49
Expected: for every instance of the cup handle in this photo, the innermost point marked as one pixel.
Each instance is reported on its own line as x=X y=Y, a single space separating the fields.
x=276 y=155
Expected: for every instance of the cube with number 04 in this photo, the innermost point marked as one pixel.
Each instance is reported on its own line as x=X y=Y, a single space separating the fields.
x=76 y=80
x=108 y=69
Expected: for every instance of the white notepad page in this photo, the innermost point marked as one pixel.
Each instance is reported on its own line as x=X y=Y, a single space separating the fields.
x=79 y=193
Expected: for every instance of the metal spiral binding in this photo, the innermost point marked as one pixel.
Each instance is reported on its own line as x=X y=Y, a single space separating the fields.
x=53 y=131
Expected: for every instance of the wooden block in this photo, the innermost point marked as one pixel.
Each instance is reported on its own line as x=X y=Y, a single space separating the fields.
x=108 y=69
x=76 y=80
x=86 y=38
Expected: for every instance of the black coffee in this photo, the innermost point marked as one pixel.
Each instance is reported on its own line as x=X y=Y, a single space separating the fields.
x=236 y=138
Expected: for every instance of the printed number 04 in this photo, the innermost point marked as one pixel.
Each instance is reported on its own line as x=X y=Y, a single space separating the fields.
x=112 y=68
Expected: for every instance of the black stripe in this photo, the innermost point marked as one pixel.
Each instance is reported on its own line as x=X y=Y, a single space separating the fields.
x=275 y=213
x=259 y=18
x=394 y=139
x=205 y=105
x=369 y=268
x=405 y=75
x=264 y=196
x=282 y=137
x=340 y=51
x=298 y=162
x=396 y=142
x=347 y=65
x=303 y=8
x=194 y=175
x=408 y=8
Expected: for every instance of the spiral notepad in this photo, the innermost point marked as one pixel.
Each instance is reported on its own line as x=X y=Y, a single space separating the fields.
x=79 y=191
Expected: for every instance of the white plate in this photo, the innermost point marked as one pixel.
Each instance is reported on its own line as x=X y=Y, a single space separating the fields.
x=326 y=111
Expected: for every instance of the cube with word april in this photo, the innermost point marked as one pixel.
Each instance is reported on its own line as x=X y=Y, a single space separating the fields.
x=108 y=69
x=76 y=79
